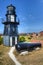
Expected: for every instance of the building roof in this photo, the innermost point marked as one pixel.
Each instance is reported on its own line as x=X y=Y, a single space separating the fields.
x=11 y=6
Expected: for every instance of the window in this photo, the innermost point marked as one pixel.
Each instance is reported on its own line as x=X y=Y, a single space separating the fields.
x=9 y=17
x=10 y=8
x=12 y=18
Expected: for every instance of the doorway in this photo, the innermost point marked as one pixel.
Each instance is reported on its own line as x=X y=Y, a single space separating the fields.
x=13 y=41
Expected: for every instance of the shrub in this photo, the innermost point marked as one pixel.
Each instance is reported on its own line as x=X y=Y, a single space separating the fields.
x=30 y=37
x=1 y=40
x=22 y=39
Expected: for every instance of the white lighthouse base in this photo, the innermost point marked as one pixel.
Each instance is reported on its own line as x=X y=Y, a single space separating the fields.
x=10 y=40
x=13 y=40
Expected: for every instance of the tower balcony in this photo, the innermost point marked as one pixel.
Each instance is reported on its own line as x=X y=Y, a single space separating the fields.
x=15 y=23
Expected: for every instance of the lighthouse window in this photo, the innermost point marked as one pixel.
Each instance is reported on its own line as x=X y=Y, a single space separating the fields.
x=9 y=18
x=12 y=18
x=10 y=8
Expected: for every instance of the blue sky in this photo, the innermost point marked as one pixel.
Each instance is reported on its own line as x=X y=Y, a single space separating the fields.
x=30 y=13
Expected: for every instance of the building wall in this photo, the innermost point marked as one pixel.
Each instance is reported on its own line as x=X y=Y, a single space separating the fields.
x=11 y=30
x=6 y=40
x=10 y=40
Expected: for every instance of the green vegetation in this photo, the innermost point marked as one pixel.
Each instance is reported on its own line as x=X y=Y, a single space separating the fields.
x=25 y=38
x=1 y=40
x=29 y=38
x=21 y=39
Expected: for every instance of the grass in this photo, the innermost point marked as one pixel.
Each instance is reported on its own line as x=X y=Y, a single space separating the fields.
x=33 y=58
x=4 y=58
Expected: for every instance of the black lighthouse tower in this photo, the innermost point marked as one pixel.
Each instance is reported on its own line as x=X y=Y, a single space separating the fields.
x=10 y=37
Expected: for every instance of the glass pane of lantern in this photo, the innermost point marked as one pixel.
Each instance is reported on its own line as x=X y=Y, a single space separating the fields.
x=12 y=18
x=10 y=8
x=9 y=18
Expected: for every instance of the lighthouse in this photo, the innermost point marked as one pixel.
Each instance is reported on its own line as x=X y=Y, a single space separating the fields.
x=10 y=35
